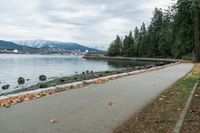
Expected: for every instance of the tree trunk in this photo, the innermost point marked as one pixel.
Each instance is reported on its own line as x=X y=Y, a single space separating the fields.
x=197 y=42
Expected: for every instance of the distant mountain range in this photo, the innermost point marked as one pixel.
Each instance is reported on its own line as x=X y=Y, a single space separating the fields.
x=7 y=45
x=43 y=46
x=55 y=45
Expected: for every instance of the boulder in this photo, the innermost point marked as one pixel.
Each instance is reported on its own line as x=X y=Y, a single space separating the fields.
x=62 y=80
x=21 y=80
x=42 y=78
x=5 y=87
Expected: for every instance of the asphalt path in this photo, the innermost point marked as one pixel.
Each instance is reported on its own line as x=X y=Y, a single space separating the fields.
x=94 y=109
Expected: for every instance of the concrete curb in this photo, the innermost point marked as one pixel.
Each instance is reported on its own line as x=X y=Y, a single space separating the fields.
x=130 y=58
x=179 y=124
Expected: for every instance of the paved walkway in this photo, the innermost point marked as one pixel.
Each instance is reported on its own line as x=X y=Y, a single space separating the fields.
x=86 y=110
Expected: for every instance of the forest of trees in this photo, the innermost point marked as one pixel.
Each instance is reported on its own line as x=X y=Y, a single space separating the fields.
x=172 y=33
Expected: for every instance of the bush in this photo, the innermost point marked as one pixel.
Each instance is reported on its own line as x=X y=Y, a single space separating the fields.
x=187 y=57
x=21 y=80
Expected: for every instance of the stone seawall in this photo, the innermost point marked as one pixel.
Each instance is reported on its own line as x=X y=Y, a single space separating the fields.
x=102 y=57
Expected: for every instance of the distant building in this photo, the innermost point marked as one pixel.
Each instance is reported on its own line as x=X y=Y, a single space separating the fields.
x=15 y=51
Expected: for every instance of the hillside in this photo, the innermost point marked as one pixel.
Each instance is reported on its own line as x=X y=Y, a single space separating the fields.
x=55 y=45
x=12 y=46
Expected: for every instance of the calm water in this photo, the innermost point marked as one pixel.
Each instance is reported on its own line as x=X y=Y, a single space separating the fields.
x=31 y=66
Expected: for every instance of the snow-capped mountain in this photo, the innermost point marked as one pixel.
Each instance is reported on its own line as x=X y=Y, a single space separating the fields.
x=32 y=43
x=54 y=45
x=10 y=46
x=103 y=48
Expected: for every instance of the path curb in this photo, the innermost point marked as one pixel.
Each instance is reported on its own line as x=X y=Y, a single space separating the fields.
x=184 y=112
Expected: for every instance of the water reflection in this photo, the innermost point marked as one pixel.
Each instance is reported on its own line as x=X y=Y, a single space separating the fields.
x=122 y=64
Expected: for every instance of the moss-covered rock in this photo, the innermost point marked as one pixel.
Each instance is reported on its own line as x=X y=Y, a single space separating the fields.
x=5 y=87
x=62 y=80
x=43 y=85
x=21 y=80
x=42 y=78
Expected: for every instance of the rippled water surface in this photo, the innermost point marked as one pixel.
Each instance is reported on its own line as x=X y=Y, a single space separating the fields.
x=31 y=66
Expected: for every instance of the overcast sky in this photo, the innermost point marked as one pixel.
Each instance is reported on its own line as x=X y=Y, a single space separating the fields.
x=90 y=22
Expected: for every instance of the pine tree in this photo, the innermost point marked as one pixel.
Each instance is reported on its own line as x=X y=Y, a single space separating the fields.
x=111 y=50
x=172 y=33
x=115 y=48
x=184 y=23
x=166 y=35
x=129 y=45
x=155 y=29
x=136 y=39
x=196 y=7
x=142 y=42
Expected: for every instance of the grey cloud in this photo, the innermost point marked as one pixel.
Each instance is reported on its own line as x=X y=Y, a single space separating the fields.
x=84 y=21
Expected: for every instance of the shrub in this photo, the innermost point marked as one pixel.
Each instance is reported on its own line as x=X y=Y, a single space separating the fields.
x=187 y=57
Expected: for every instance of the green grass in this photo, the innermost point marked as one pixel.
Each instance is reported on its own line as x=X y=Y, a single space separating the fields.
x=162 y=115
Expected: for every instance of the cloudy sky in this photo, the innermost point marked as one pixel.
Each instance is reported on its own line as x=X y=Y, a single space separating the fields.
x=90 y=22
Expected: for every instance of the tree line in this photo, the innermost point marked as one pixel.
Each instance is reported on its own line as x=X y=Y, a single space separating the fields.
x=172 y=33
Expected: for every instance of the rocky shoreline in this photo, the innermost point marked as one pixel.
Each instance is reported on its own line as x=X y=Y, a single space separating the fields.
x=12 y=99
x=88 y=75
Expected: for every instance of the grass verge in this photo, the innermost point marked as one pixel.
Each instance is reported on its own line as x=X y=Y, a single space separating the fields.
x=192 y=120
x=162 y=114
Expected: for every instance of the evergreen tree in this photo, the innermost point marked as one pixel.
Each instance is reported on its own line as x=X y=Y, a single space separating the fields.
x=154 y=34
x=184 y=29
x=196 y=7
x=111 y=50
x=136 y=39
x=129 y=45
x=115 y=47
x=142 y=42
x=166 y=36
x=172 y=33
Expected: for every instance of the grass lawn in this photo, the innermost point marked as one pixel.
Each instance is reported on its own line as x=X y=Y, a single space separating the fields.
x=162 y=114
